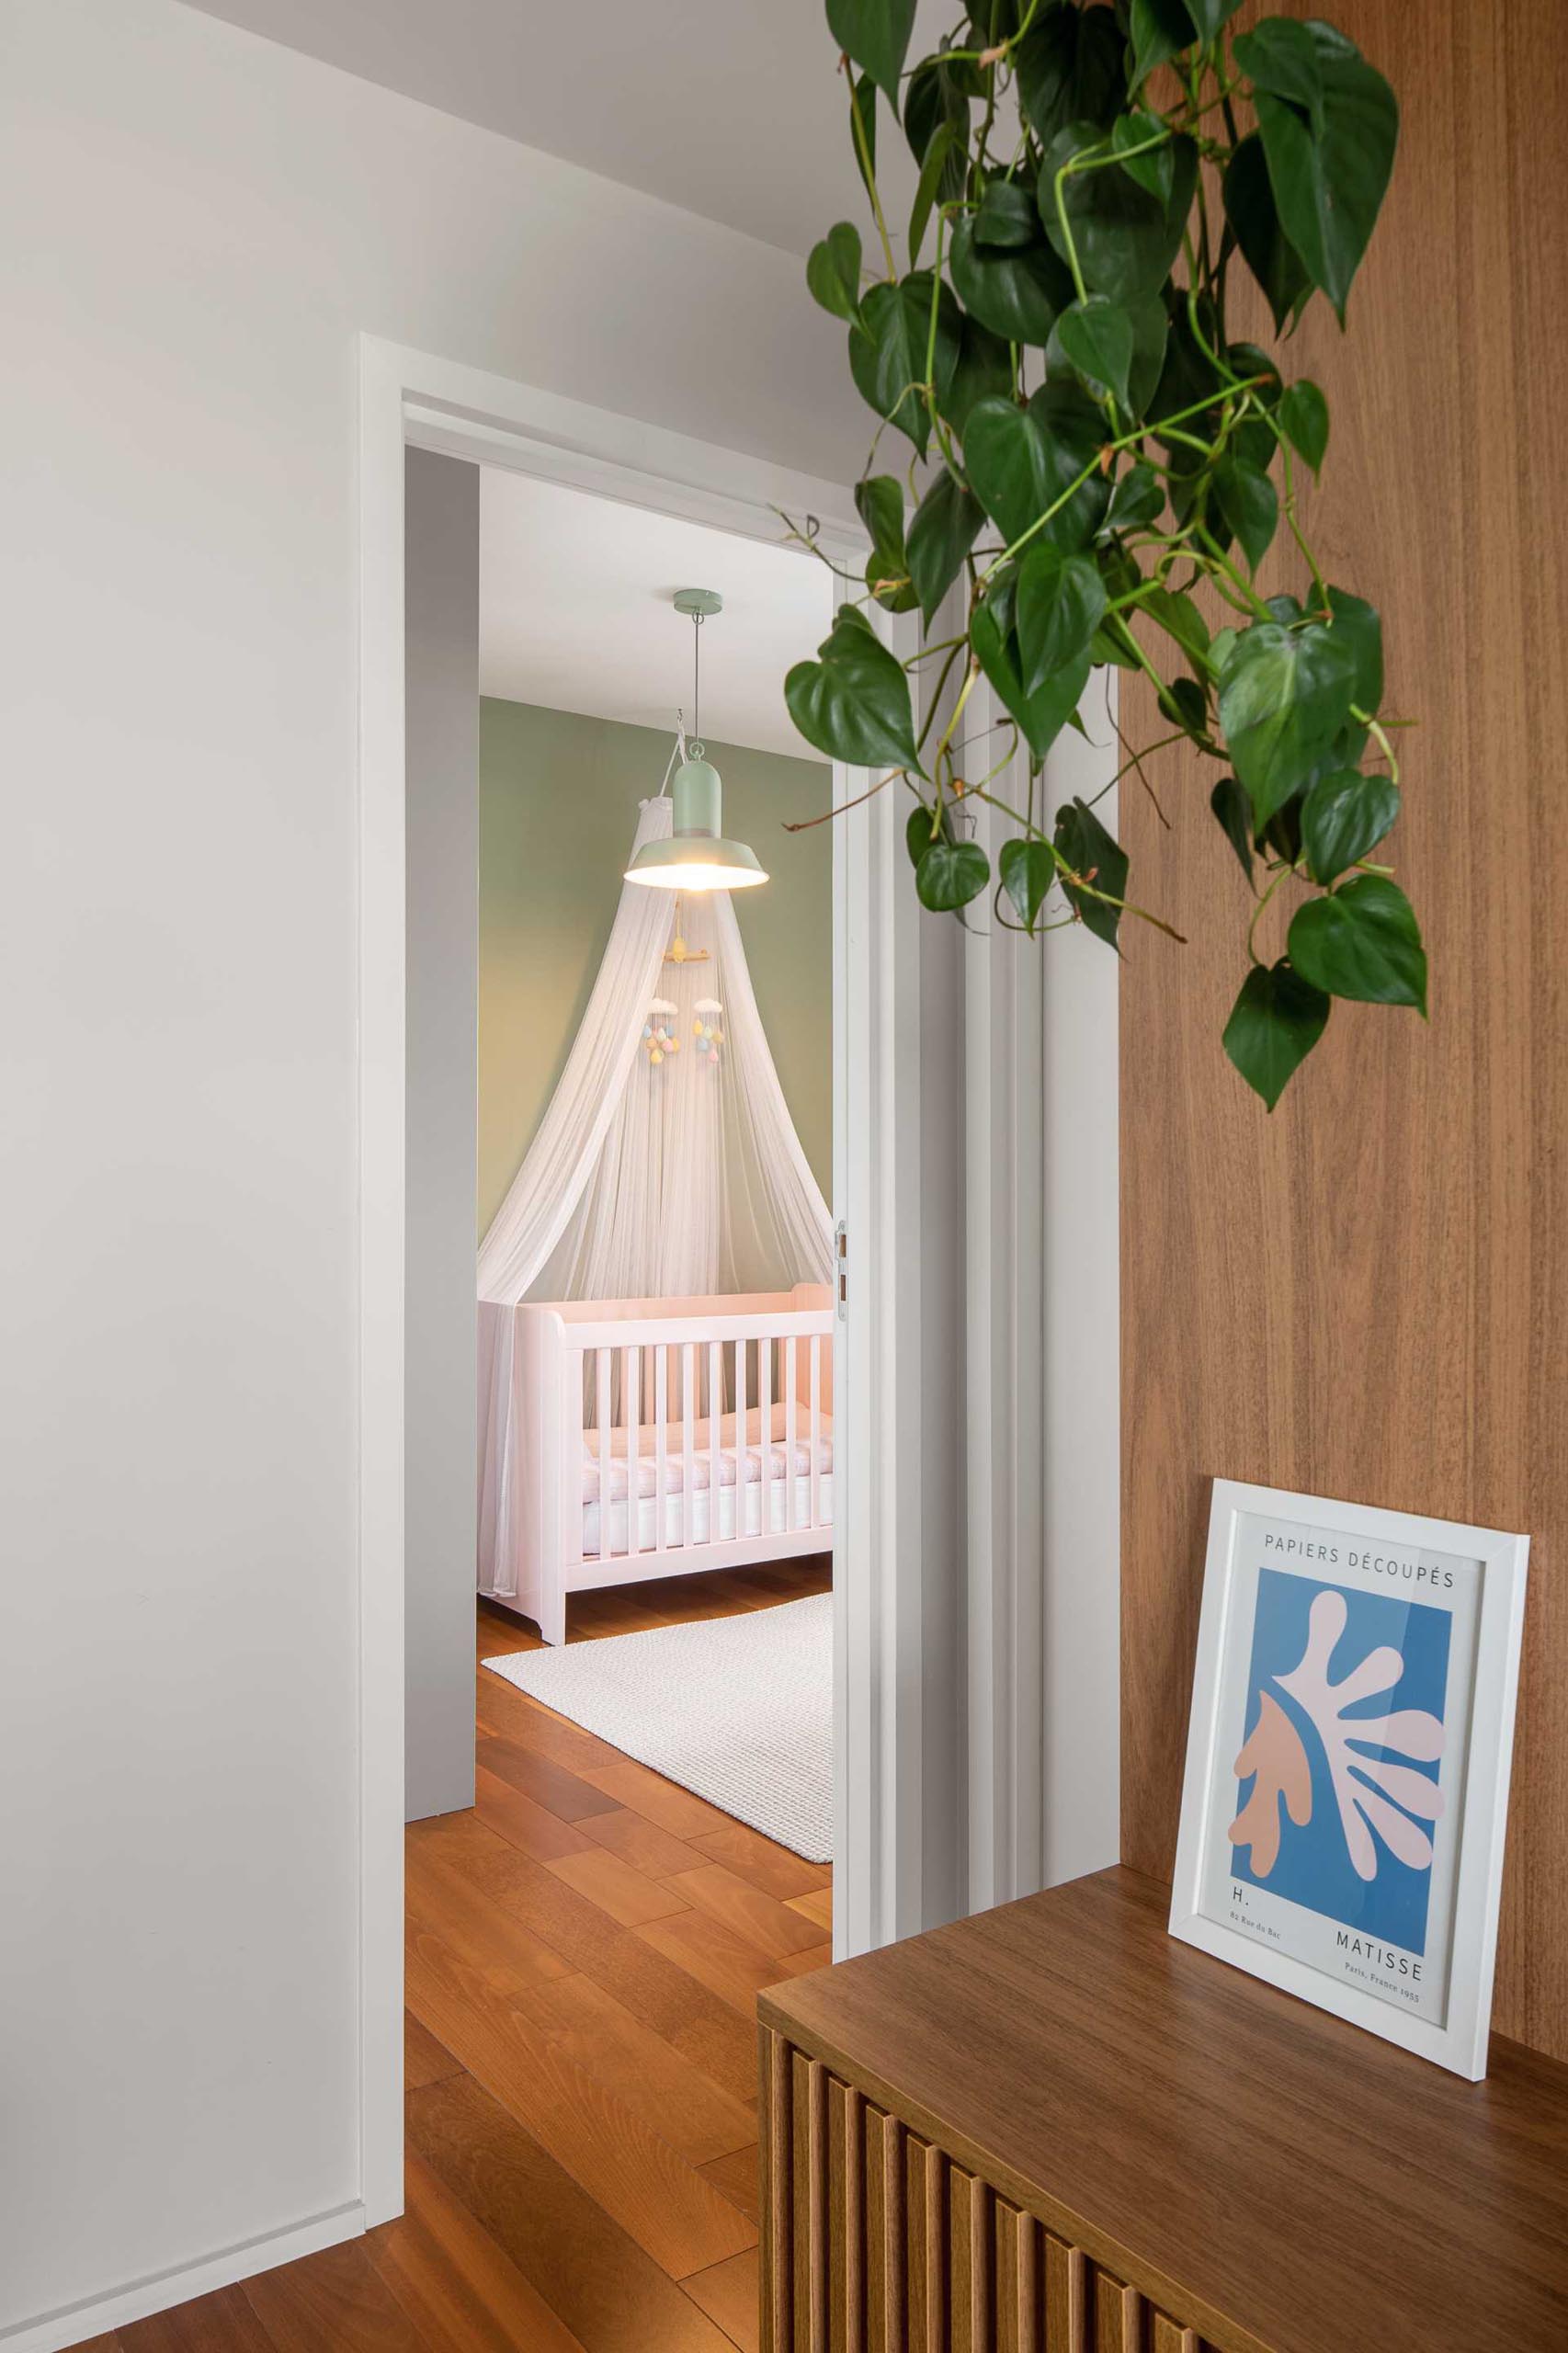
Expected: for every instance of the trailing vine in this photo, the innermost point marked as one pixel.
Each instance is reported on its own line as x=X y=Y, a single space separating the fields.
x=1090 y=448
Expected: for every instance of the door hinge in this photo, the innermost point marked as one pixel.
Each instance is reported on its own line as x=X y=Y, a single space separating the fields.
x=841 y=1266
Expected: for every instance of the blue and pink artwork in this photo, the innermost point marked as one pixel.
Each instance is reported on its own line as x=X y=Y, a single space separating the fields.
x=1338 y=1777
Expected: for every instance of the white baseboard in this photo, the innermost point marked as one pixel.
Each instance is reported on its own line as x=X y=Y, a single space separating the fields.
x=96 y=2314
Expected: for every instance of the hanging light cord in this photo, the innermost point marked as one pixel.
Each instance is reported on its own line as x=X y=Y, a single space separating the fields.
x=697 y=677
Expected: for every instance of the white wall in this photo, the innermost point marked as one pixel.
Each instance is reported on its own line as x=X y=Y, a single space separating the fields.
x=441 y=1337
x=200 y=225
x=1036 y=1108
x=1081 y=1615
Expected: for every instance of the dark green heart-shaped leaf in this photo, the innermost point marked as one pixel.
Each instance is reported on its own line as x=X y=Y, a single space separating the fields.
x=1343 y=816
x=933 y=100
x=1113 y=642
x=1276 y=1020
x=1347 y=748
x=1074 y=430
x=945 y=525
x=1184 y=700
x=1281 y=57
x=875 y=34
x=1159 y=29
x=1070 y=70
x=1143 y=146
x=1027 y=869
x=887 y=350
x=1022 y=460
x=1209 y=16
x=1328 y=166
x=1232 y=812
x=1250 y=208
x=1284 y=695
x=1125 y=239
x=1096 y=338
x=833 y=271
x=1255 y=442
x=1097 y=857
x=880 y=502
x=1015 y=292
x=1359 y=626
x=1303 y=420
x=1249 y=503
x=984 y=371
x=1138 y=498
x=1043 y=714
x=950 y=874
x=1060 y=601
x=1009 y=462
x=923 y=827
x=1007 y=216
x=944 y=163
x=1151 y=327
x=1179 y=617
x=1362 y=941
x=853 y=702
x=1282 y=835
x=1250 y=361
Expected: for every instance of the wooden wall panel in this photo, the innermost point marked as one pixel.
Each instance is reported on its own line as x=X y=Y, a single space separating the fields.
x=1367 y=1295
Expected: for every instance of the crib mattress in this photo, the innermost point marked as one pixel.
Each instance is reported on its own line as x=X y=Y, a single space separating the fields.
x=740 y=1455
x=786 y=1513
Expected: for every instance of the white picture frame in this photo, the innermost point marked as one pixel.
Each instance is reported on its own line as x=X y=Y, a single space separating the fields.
x=1319 y=1615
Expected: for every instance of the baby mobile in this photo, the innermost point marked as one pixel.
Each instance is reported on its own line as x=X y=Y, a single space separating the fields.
x=707 y=1036
x=658 y=1038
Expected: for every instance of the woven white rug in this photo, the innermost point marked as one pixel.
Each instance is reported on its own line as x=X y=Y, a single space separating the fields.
x=738 y=1709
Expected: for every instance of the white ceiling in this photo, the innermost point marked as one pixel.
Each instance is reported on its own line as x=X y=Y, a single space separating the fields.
x=575 y=613
x=730 y=107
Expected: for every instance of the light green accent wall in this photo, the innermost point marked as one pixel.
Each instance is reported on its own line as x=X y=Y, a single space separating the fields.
x=558 y=798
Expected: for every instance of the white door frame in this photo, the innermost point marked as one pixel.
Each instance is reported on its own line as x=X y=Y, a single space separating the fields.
x=411 y=397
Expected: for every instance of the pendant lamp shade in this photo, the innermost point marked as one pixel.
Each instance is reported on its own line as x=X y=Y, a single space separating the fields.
x=697 y=856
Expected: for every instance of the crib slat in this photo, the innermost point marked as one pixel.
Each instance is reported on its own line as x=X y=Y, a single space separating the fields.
x=688 y=1435
x=661 y=1443
x=630 y=1374
x=572 y=1433
x=737 y=1446
x=742 y=1436
x=715 y=1433
x=789 y=1407
x=765 y=1431
x=601 y=1363
x=816 y=1427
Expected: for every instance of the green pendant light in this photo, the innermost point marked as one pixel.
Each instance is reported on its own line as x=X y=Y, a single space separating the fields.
x=697 y=856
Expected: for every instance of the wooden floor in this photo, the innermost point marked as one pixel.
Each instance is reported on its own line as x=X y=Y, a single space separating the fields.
x=585 y=1951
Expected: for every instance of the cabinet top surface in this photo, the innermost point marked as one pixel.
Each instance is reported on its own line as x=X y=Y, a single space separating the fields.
x=1296 y=2183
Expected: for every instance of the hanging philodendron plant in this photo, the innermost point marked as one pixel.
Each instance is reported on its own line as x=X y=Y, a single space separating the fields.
x=1091 y=447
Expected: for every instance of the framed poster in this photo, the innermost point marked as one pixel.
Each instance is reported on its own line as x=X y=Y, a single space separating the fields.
x=1346 y=1786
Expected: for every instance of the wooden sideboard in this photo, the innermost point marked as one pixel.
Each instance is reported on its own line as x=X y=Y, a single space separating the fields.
x=1053 y=2128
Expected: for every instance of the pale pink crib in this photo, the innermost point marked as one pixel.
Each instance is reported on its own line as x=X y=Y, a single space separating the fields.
x=666 y=1436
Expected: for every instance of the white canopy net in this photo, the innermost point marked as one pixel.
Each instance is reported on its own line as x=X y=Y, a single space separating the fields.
x=666 y=1165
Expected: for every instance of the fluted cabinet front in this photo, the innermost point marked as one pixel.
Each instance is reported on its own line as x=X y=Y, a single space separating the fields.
x=874 y=2241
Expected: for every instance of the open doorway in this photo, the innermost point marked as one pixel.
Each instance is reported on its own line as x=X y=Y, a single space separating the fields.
x=930 y=1587
x=650 y=1834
